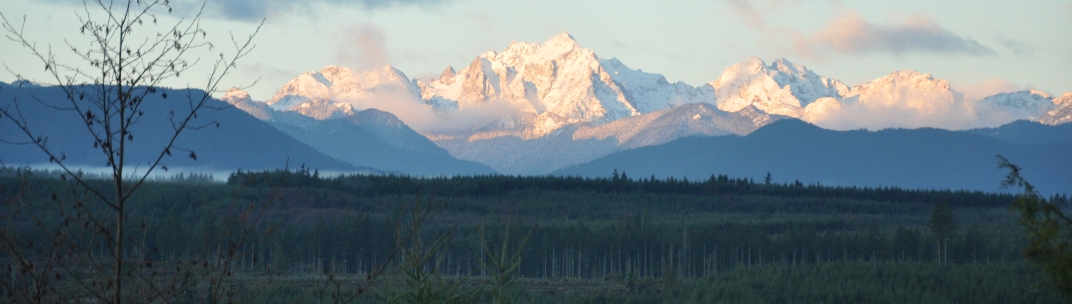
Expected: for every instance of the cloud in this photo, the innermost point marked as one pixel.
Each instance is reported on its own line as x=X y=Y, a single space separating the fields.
x=1019 y=48
x=424 y=119
x=852 y=34
x=945 y=114
x=905 y=107
x=255 y=10
x=362 y=46
x=749 y=14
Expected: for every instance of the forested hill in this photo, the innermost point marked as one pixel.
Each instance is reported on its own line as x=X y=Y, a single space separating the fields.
x=794 y=150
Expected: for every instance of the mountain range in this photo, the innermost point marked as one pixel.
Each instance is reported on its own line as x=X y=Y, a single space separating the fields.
x=558 y=108
x=534 y=108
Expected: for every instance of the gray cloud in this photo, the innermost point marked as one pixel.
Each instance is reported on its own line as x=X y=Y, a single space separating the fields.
x=255 y=10
x=852 y=34
x=1017 y=47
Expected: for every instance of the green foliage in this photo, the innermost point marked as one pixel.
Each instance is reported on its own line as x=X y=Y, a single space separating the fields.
x=503 y=264
x=1049 y=232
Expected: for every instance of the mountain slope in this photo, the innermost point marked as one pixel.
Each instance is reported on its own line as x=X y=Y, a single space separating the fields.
x=240 y=141
x=662 y=126
x=508 y=151
x=794 y=150
x=370 y=138
x=1022 y=132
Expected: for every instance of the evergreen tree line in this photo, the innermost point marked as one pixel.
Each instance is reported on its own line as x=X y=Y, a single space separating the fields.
x=483 y=185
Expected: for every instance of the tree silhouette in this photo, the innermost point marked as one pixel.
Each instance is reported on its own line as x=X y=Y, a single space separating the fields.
x=1049 y=231
x=117 y=72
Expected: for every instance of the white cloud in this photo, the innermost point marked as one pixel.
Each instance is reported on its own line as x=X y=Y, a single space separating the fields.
x=424 y=119
x=955 y=114
x=919 y=101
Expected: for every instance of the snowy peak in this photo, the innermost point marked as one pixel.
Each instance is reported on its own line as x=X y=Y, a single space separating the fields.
x=1066 y=98
x=783 y=88
x=327 y=93
x=559 y=82
x=1030 y=104
x=785 y=67
x=563 y=38
x=1061 y=112
x=241 y=100
x=448 y=75
x=234 y=95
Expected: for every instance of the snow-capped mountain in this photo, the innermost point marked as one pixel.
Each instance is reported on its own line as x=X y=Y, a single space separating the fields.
x=328 y=93
x=1061 y=112
x=783 y=88
x=1025 y=105
x=560 y=82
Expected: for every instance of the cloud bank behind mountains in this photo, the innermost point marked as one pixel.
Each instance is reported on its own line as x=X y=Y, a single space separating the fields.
x=952 y=111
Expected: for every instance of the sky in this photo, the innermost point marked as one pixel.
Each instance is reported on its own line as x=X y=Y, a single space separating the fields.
x=982 y=47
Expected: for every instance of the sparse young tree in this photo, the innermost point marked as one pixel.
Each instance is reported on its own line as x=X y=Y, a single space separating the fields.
x=123 y=54
x=943 y=225
x=503 y=263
